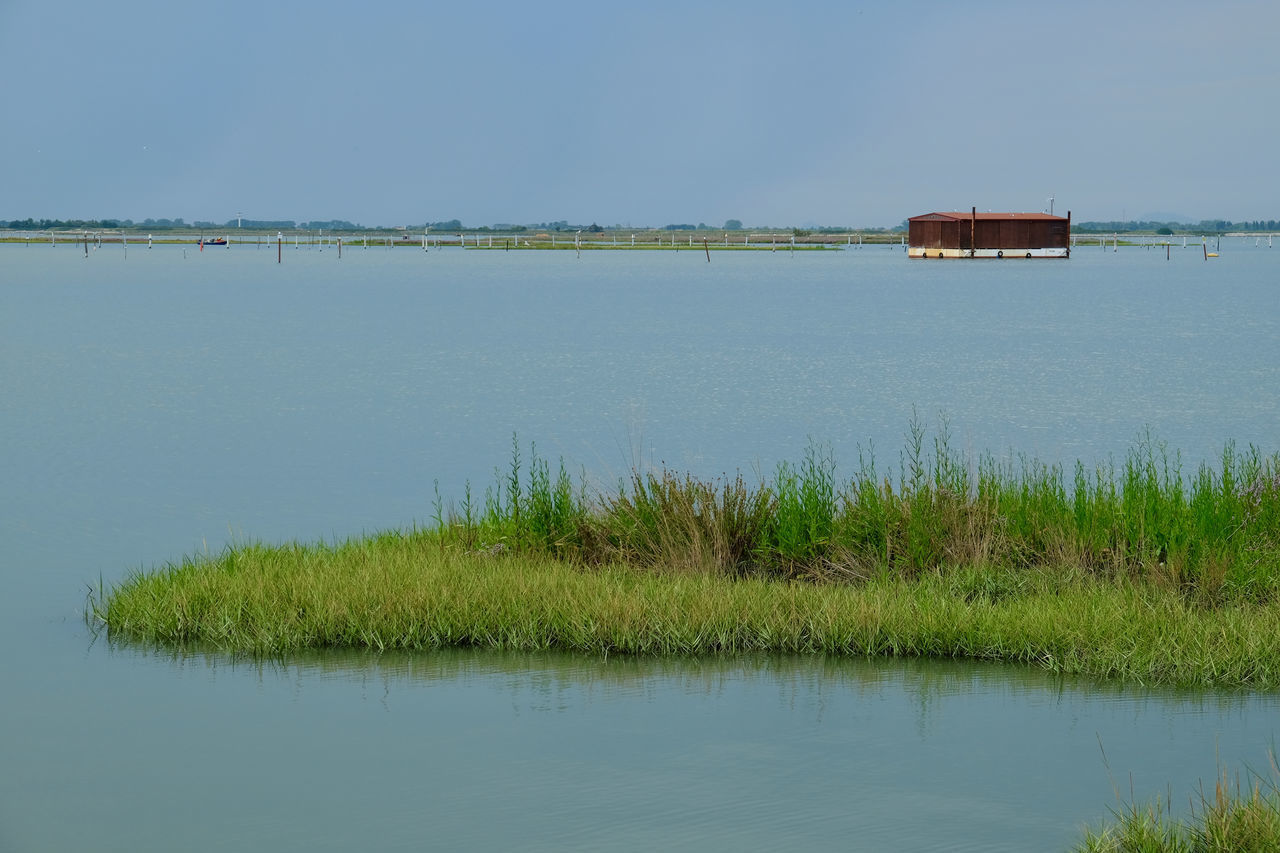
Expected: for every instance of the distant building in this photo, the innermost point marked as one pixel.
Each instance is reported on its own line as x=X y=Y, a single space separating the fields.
x=989 y=235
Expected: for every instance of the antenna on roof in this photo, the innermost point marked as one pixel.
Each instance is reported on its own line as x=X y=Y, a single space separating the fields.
x=1051 y=205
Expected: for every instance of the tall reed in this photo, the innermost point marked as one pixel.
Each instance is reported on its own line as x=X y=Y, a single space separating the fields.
x=1236 y=817
x=1213 y=535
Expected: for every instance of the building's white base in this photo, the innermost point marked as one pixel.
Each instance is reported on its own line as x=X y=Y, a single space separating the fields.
x=918 y=252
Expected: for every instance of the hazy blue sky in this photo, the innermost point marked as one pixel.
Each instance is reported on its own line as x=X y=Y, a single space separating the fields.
x=652 y=113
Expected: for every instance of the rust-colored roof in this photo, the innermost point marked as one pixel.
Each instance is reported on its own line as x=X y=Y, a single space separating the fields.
x=967 y=215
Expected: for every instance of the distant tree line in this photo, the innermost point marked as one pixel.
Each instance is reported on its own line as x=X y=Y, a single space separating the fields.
x=261 y=224
x=328 y=225
x=1203 y=226
x=456 y=225
x=30 y=224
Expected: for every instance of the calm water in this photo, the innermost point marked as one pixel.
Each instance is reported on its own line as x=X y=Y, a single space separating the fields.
x=159 y=404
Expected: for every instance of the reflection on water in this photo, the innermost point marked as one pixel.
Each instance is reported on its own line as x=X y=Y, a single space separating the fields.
x=758 y=751
x=549 y=680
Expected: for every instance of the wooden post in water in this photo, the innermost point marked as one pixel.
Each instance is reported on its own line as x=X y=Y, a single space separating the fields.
x=339 y=248
x=707 y=249
x=279 y=246
x=86 y=244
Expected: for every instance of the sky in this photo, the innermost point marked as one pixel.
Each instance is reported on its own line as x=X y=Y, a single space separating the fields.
x=824 y=113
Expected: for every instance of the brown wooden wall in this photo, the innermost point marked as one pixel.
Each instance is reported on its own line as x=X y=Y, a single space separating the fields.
x=1021 y=234
x=936 y=233
x=925 y=233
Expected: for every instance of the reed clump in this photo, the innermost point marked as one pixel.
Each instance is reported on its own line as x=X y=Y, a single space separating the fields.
x=1238 y=816
x=1213 y=536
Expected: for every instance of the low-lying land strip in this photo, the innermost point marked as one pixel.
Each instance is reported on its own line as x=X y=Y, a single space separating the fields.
x=1128 y=571
x=405 y=591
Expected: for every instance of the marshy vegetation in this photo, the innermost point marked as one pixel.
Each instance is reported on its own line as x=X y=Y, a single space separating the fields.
x=1212 y=536
x=1238 y=816
x=1133 y=569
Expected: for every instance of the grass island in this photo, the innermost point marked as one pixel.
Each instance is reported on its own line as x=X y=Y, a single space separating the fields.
x=1128 y=571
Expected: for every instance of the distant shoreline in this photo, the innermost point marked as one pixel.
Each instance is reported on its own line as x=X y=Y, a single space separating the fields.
x=649 y=241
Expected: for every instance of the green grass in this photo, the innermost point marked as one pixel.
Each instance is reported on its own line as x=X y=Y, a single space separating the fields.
x=404 y=591
x=1237 y=817
x=1131 y=571
x=1214 y=536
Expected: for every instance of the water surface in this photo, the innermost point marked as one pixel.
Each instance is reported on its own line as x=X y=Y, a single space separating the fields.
x=170 y=401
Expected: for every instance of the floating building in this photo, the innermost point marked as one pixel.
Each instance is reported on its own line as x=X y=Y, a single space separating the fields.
x=989 y=235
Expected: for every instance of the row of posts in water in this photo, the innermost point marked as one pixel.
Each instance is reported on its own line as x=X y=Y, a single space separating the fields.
x=427 y=241
x=389 y=242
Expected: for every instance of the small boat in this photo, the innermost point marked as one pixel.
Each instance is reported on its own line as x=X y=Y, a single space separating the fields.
x=213 y=241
